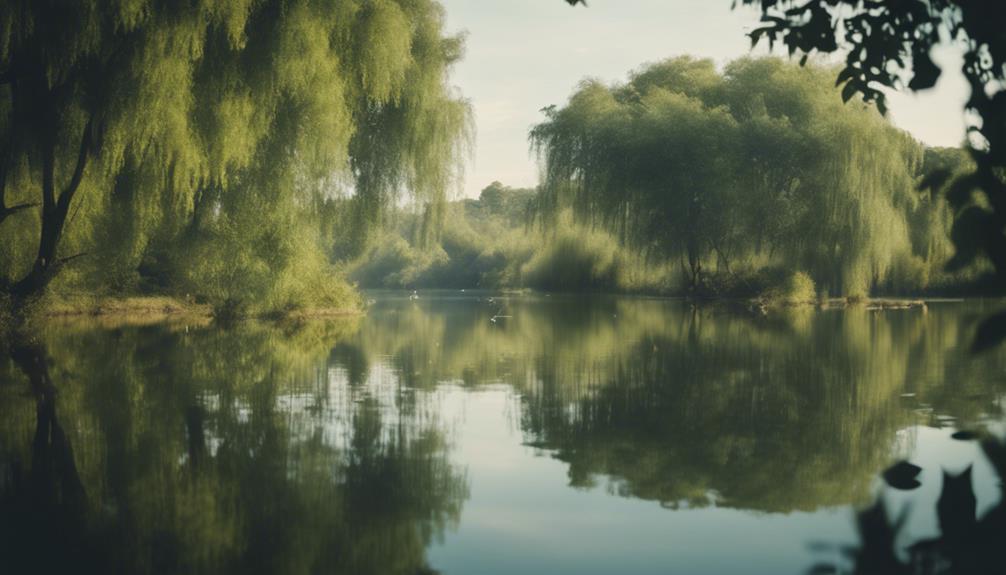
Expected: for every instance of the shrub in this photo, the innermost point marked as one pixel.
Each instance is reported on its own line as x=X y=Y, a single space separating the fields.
x=799 y=289
x=575 y=262
x=796 y=288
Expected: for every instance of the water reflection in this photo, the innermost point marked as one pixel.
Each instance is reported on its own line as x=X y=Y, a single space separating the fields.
x=692 y=407
x=968 y=542
x=328 y=447
x=202 y=451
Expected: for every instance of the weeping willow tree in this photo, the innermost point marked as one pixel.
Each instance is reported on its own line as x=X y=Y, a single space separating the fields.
x=201 y=139
x=761 y=163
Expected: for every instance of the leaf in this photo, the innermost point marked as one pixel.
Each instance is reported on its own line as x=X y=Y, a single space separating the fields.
x=902 y=475
x=850 y=90
x=990 y=334
x=881 y=105
x=995 y=452
x=845 y=75
x=926 y=72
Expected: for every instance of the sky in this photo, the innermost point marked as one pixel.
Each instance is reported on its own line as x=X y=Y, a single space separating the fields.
x=523 y=55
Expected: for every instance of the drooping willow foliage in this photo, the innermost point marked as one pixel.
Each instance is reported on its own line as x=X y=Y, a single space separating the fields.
x=758 y=163
x=201 y=145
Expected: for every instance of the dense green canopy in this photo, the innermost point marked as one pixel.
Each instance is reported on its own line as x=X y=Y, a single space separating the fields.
x=140 y=127
x=889 y=45
x=756 y=162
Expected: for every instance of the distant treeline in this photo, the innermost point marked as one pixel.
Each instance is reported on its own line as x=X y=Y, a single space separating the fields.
x=751 y=180
x=495 y=242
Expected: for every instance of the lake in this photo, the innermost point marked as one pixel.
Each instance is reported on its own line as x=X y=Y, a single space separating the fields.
x=479 y=433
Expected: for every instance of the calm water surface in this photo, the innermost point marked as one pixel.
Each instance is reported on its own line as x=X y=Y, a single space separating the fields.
x=471 y=433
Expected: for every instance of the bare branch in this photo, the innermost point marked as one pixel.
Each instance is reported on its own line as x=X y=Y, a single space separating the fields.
x=9 y=211
x=6 y=212
x=68 y=259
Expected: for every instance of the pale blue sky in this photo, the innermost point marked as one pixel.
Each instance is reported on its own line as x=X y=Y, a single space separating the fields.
x=524 y=55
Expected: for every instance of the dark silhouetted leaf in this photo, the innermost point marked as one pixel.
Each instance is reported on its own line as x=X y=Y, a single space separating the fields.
x=849 y=90
x=878 y=534
x=957 y=507
x=902 y=475
x=881 y=105
x=926 y=72
x=965 y=435
x=995 y=451
x=845 y=75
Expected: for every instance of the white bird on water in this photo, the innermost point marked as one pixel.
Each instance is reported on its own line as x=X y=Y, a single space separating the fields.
x=414 y=296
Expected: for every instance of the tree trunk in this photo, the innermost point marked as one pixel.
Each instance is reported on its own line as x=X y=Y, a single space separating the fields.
x=194 y=429
x=55 y=479
x=54 y=213
x=694 y=264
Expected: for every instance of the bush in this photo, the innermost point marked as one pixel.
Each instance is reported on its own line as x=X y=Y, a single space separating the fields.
x=575 y=262
x=795 y=288
x=244 y=264
x=799 y=289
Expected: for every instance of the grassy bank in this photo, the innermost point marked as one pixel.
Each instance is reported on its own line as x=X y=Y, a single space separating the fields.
x=151 y=309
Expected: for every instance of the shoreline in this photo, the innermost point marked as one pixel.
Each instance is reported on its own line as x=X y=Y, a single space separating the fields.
x=164 y=309
x=149 y=310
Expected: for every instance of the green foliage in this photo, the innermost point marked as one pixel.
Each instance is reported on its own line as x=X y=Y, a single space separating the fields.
x=800 y=289
x=573 y=258
x=575 y=261
x=491 y=243
x=246 y=264
x=200 y=458
x=202 y=437
x=627 y=390
x=891 y=46
x=220 y=129
x=760 y=164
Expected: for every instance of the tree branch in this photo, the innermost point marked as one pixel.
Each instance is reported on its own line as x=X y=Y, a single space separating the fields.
x=6 y=211
x=68 y=259
x=78 y=170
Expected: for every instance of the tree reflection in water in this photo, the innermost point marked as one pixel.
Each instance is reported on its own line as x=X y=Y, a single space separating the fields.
x=224 y=452
x=299 y=449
